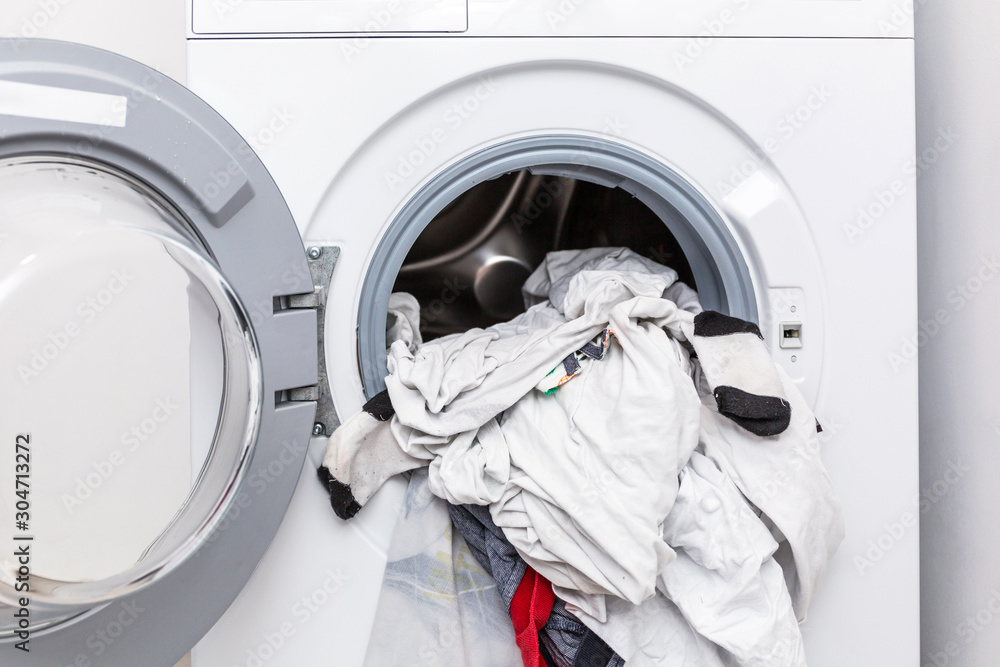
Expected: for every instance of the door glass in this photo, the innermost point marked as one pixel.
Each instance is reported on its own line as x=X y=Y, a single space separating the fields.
x=112 y=370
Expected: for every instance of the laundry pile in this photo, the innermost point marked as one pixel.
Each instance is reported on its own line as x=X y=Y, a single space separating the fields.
x=638 y=477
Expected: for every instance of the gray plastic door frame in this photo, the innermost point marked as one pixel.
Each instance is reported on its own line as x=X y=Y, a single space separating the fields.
x=169 y=139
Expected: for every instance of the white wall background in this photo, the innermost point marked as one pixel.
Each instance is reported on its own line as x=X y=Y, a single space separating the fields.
x=958 y=69
x=958 y=93
x=150 y=31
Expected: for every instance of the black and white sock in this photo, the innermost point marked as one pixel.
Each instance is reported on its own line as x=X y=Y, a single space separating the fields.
x=740 y=372
x=361 y=455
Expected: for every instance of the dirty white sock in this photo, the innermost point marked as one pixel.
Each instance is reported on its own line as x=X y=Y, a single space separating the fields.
x=740 y=371
x=361 y=455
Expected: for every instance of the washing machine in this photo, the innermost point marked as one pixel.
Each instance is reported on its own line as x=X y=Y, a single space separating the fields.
x=195 y=284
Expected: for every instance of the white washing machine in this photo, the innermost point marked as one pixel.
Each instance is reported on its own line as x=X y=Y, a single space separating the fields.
x=761 y=146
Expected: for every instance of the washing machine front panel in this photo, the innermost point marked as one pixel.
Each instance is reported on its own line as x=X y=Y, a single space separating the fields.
x=146 y=258
x=236 y=17
x=701 y=22
x=767 y=130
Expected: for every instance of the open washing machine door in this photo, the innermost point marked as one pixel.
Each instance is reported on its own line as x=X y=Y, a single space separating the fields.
x=166 y=308
x=374 y=175
x=152 y=360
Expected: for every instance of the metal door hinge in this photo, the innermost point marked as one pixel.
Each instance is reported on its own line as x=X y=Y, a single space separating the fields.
x=322 y=261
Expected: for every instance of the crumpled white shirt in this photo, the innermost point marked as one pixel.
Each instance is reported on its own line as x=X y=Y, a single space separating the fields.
x=581 y=480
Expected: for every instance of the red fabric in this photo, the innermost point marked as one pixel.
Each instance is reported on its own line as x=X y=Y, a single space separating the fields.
x=529 y=610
